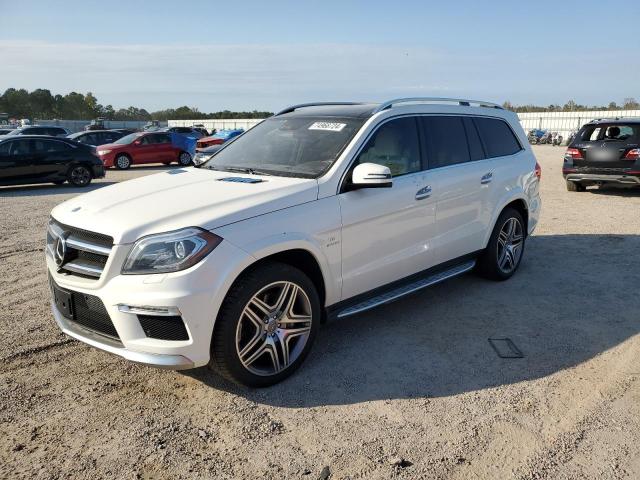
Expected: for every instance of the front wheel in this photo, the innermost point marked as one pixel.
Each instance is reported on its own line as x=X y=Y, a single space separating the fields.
x=503 y=254
x=184 y=159
x=123 y=162
x=266 y=326
x=79 y=176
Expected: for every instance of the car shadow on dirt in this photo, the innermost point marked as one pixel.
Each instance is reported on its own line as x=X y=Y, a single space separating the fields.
x=615 y=191
x=49 y=189
x=573 y=298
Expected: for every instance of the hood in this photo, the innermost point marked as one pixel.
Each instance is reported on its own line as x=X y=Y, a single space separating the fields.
x=180 y=198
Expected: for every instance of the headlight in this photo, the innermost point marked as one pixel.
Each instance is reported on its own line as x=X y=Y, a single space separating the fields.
x=103 y=152
x=170 y=252
x=201 y=158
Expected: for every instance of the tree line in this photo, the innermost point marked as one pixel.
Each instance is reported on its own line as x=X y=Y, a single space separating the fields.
x=42 y=104
x=628 y=103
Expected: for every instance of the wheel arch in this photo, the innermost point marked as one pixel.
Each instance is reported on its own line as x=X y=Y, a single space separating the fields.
x=518 y=203
x=298 y=257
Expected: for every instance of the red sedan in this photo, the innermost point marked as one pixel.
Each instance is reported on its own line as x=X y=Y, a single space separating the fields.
x=142 y=148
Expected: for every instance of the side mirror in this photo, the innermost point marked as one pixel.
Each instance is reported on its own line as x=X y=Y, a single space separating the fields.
x=371 y=175
x=137 y=142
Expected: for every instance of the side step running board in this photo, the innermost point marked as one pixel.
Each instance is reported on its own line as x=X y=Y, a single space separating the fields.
x=398 y=292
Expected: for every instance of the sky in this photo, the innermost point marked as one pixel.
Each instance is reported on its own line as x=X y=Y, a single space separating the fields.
x=247 y=55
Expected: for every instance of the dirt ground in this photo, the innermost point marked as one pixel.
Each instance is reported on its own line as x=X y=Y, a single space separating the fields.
x=410 y=390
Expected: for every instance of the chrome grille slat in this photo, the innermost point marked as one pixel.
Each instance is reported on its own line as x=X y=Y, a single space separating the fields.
x=82 y=268
x=87 y=252
x=79 y=244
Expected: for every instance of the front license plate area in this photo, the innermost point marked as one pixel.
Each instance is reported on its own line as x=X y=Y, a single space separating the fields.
x=63 y=301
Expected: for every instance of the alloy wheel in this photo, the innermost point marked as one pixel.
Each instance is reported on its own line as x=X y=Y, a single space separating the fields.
x=185 y=159
x=273 y=329
x=80 y=176
x=510 y=243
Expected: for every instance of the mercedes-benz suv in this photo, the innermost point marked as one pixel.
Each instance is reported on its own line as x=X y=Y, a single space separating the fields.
x=320 y=212
x=604 y=152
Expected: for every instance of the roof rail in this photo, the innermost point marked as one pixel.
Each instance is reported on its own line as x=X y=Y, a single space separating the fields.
x=459 y=101
x=314 y=104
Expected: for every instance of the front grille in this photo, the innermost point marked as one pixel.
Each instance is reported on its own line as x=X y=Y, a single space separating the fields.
x=89 y=312
x=163 y=327
x=85 y=253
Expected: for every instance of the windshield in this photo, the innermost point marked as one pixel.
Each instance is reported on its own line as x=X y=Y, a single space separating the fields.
x=17 y=131
x=127 y=139
x=297 y=147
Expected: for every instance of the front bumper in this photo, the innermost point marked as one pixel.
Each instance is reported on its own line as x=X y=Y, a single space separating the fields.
x=171 y=362
x=594 y=178
x=196 y=293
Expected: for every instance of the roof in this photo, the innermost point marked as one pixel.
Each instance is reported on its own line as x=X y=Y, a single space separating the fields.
x=616 y=120
x=365 y=110
x=356 y=110
x=34 y=137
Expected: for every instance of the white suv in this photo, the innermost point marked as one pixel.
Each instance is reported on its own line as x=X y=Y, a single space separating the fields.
x=319 y=212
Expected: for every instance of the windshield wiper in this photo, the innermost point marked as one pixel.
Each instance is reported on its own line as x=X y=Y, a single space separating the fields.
x=251 y=171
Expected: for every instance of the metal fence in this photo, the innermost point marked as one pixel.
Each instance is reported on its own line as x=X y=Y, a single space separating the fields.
x=220 y=124
x=565 y=122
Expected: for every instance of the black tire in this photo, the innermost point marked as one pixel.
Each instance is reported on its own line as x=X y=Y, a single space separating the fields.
x=122 y=162
x=79 y=176
x=184 y=159
x=575 y=186
x=225 y=358
x=489 y=262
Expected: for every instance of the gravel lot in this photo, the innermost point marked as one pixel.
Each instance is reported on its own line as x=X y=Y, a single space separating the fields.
x=410 y=390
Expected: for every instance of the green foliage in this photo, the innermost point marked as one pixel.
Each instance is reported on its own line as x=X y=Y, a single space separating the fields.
x=41 y=104
x=628 y=104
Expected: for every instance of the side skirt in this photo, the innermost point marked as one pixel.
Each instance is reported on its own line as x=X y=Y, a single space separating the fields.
x=401 y=288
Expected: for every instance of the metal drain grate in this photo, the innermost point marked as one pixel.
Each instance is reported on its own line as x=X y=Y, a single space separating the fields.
x=505 y=348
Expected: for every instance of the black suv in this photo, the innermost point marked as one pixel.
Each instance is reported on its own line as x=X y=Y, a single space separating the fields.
x=605 y=151
x=38 y=159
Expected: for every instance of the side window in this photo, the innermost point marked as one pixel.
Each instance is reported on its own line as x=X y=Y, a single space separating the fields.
x=146 y=140
x=19 y=147
x=5 y=147
x=395 y=145
x=476 y=152
x=88 y=139
x=162 y=138
x=53 y=146
x=446 y=139
x=497 y=137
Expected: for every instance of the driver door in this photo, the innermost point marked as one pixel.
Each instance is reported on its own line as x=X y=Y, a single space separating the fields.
x=387 y=232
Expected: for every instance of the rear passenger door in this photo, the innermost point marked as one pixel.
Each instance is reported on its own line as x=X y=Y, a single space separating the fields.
x=15 y=161
x=459 y=176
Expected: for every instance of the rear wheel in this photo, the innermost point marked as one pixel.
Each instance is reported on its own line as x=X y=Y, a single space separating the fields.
x=266 y=326
x=123 y=162
x=503 y=254
x=575 y=186
x=79 y=176
x=184 y=159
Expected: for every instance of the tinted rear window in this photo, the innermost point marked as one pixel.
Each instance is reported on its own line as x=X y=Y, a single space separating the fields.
x=498 y=138
x=629 y=133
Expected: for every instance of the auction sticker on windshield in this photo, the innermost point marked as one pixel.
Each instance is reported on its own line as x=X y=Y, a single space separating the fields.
x=330 y=126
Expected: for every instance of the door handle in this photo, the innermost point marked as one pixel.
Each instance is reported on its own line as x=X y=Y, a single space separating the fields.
x=486 y=178
x=423 y=193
